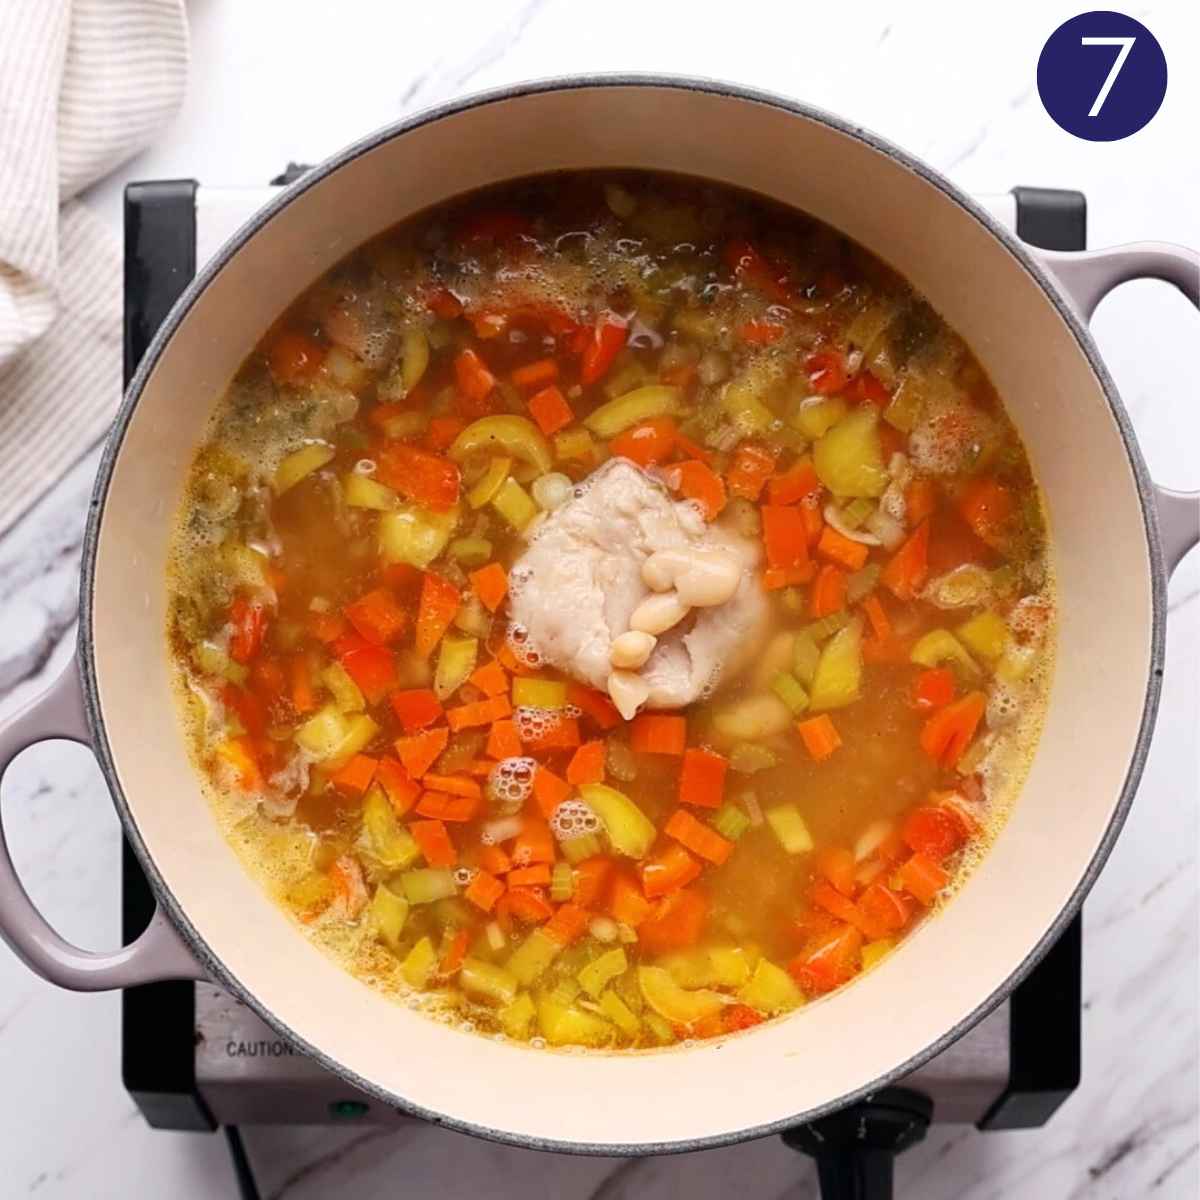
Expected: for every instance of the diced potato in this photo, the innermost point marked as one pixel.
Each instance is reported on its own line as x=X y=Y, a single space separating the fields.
x=528 y=962
x=427 y=885
x=849 y=458
x=676 y=1004
x=789 y=827
x=323 y=732
x=741 y=400
x=516 y=1018
x=873 y=952
x=456 y=661
x=415 y=535
x=620 y=1014
x=815 y=416
x=486 y=981
x=771 y=990
x=387 y=841
x=839 y=669
x=564 y=1025
x=360 y=730
x=716 y=966
x=345 y=692
x=629 y=830
x=515 y=504
x=418 y=967
x=986 y=634
x=300 y=463
x=361 y=491
x=389 y=912
x=538 y=693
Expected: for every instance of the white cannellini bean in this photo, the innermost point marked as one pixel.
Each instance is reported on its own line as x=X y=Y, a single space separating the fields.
x=628 y=691
x=630 y=650
x=658 y=613
x=708 y=580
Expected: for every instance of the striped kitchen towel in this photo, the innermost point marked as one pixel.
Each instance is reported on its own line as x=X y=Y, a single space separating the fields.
x=84 y=85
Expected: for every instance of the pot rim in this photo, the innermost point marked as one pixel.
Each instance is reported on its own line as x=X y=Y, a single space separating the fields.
x=196 y=942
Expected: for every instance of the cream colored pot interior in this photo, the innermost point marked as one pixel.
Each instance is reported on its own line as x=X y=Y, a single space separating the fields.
x=950 y=966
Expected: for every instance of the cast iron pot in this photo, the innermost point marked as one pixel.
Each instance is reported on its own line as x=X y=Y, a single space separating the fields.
x=1116 y=537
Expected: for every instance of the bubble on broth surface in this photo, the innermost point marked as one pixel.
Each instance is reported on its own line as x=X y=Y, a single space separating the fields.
x=510 y=783
x=533 y=724
x=572 y=819
x=523 y=650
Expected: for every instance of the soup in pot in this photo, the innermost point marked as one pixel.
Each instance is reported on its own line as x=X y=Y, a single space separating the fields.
x=611 y=609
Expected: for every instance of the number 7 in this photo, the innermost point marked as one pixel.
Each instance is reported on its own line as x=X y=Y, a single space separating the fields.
x=1126 y=44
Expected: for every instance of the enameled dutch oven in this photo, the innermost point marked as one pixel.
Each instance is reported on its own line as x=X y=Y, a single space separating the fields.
x=1116 y=537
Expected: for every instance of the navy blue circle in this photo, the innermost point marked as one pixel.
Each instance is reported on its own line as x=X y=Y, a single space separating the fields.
x=1071 y=74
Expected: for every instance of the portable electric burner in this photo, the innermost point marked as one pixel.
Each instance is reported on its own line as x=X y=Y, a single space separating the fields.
x=195 y=1058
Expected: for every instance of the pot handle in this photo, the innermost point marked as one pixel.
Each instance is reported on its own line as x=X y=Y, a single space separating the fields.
x=159 y=953
x=1086 y=277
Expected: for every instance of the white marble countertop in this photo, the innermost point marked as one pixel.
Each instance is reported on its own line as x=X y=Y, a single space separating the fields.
x=276 y=80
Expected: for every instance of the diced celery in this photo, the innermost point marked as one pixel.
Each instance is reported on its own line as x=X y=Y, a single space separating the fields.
x=632 y=375
x=498 y=470
x=577 y=849
x=716 y=966
x=788 y=826
x=453 y=911
x=566 y=1026
x=300 y=463
x=904 y=410
x=788 y=689
x=360 y=730
x=620 y=1014
x=414 y=357
x=487 y=981
x=741 y=398
x=862 y=583
x=730 y=821
x=600 y=972
x=361 y=491
x=664 y=1035
x=456 y=661
x=940 y=646
x=805 y=656
x=473 y=618
x=815 y=416
x=676 y=1004
x=323 y=732
x=388 y=913
x=212 y=660
x=562 y=882
x=986 y=634
x=517 y=437
x=872 y=952
x=345 y=692
x=747 y=758
x=753 y=718
x=528 y=962
x=564 y=990
x=771 y=990
x=730 y=966
x=574 y=445
x=471 y=551
x=839 y=670
x=427 y=884
x=826 y=626
x=388 y=842
x=515 y=1018
x=849 y=459
x=515 y=504
x=655 y=400
x=629 y=830
x=856 y=512
x=414 y=535
x=417 y=968
x=528 y=692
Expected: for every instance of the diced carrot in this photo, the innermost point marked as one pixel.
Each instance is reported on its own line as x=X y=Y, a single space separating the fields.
x=268 y=679
x=607 y=337
x=346 y=875
x=248 y=708
x=735 y=1017
x=828 y=593
x=932 y=831
x=494 y=860
x=679 y=376
x=419 y=752
x=697 y=837
x=702 y=777
x=491 y=679
x=372 y=667
x=490 y=584
x=534 y=844
x=884 y=911
x=672 y=868
x=751 y=268
x=453 y=785
x=417 y=708
x=774 y=578
x=814 y=522
x=797 y=484
x=699 y=482
x=587 y=764
x=503 y=741
x=922 y=878
x=831 y=962
x=549 y=408
x=455 y=952
x=397 y=785
x=905 y=572
x=474 y=380
x=594 y=704
x=549 y=791
x=355 y=777
x=820 y=736
x=294 y=357
x=482 y=712
x=568 y=923
x=691 y=449
x=784 y=536
x=303 y=699
x=535 y=876
x=626 y=902
x=920 y=500
x=826 y=372
x=240 y=754
x=675 y=922
x=881 y=626
x=403 y=578
x=949 y=731
x=868 y=388
x=590 y=878
x=434 y=841
x=440 y=601
x=844 y=551
x=442 y=431
x=760 y=333
x=837 y=865
x=484 y=890
x=420 y=475
x=446 y=807
x=443 y=303
x=653 y=733
x=377 y=616
x=529 y=905
x=249 y=621
x=933 y=688
x=509 y=661
x=535 y=375
x=827 y=897
x=751 y=468
x=987 y=507
x=646 y=443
